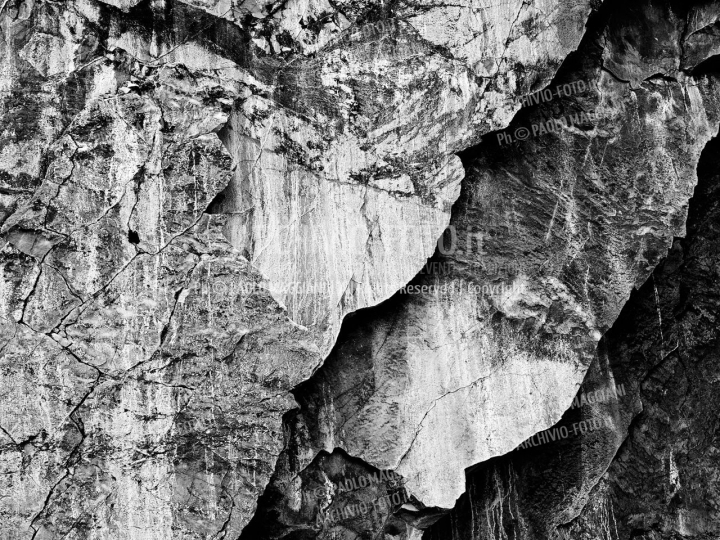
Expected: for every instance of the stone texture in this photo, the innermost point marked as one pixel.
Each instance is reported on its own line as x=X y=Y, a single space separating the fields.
x=651 y=472
x=548 y=239
x=145 y=367
x=208 y=207
x=161 y=362
x=341 y=193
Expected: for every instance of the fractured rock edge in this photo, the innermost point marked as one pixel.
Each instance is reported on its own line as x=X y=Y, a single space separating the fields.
x=614 y=480
x=34 y=245
x=649 y=268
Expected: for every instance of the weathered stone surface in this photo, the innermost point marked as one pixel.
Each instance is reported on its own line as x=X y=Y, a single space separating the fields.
x=207 y=208
x=341 y=193
x=342 y=123
x=651 y=470
x=663 y=481
x=146 y=367
x=573 y=221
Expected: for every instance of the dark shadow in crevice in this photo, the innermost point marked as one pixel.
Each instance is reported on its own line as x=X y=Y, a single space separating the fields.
x=709 y=67
x=339 y=492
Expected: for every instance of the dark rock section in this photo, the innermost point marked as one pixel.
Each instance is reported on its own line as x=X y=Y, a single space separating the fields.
x=664 y=482
x=343 y=496
x=651 y=470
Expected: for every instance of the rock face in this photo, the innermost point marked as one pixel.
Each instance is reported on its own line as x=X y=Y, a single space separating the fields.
x=650 y=470
x=346 y=156
x=548 y=239
x=663 y=481
x=145 y=369
x=225 y=311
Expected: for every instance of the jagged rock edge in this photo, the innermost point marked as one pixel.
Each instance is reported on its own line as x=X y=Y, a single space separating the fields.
x=633 y=422
x=590 y=27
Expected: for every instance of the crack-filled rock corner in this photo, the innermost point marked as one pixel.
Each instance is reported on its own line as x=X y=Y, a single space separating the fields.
x=388 y=270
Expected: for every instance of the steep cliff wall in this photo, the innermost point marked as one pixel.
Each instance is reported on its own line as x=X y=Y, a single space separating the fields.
x=489 y=344
x=650 y=469
x=548 y=239
x=225 y=310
